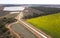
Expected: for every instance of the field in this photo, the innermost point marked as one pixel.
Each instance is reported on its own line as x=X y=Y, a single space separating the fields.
x=50 y=24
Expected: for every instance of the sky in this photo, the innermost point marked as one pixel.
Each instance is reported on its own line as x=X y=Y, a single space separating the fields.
x=29 y=1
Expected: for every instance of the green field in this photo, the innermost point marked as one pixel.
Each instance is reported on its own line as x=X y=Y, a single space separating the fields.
x=50 y=24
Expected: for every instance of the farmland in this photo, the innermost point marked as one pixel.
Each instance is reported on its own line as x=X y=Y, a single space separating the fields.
x=50 y=24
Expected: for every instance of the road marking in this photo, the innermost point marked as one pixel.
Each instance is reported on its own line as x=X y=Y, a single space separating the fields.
x=35 y=30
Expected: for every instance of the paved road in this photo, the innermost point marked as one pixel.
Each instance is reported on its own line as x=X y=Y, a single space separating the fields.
x=40 y=34
x=20 y=29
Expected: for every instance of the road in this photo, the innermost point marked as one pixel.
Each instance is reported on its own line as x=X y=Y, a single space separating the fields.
x=22 y=31
x=39 y=34
x=32 y=29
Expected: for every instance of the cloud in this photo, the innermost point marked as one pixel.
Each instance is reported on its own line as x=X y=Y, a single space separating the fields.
x=29 y=1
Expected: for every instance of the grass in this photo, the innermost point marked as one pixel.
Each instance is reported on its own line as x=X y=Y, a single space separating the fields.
x=49 y=24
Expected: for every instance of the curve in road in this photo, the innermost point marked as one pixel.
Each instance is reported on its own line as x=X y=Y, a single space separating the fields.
x=24 y=32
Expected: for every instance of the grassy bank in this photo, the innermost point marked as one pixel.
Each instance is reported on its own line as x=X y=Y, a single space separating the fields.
x=50 y=24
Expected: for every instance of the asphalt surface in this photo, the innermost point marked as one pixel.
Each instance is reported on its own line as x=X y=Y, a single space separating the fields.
x=24 y=32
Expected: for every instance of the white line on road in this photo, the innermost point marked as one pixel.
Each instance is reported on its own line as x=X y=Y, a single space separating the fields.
x=34 y=30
